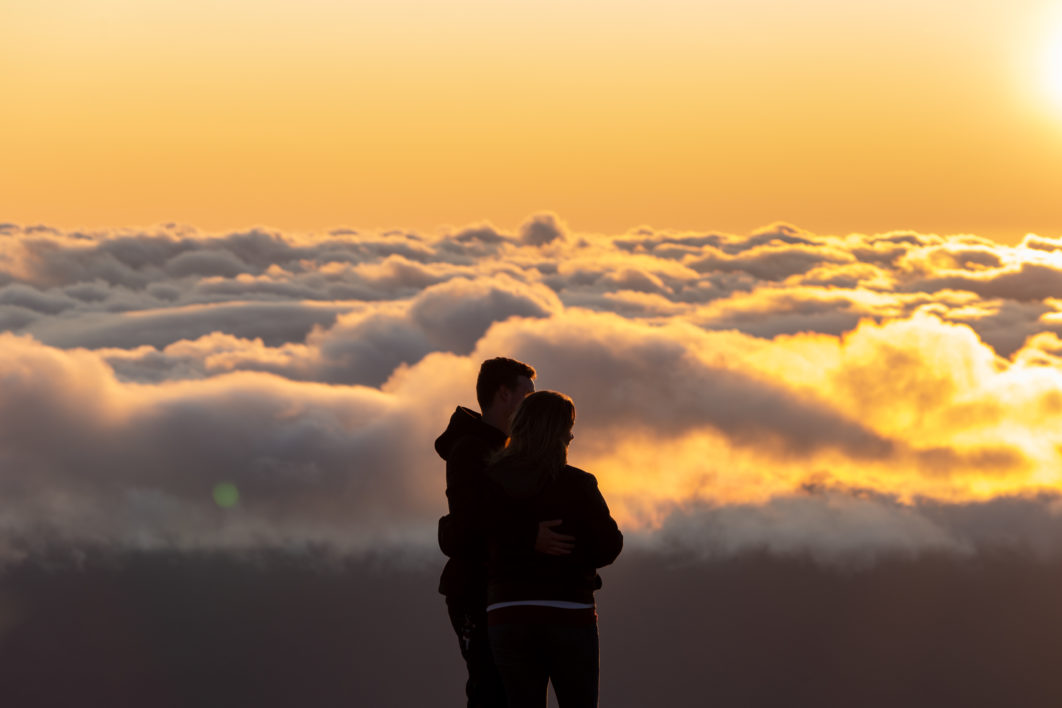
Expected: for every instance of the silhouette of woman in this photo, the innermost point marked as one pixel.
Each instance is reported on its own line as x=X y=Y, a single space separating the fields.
x=541 y=617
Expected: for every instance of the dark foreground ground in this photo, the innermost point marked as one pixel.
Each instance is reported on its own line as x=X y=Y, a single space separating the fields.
x=166 y=629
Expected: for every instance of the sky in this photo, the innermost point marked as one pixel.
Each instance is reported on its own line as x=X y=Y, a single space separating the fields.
x=942 y=117
x=799 y=265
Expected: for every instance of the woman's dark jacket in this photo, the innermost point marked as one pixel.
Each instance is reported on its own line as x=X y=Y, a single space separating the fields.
x=521 y=495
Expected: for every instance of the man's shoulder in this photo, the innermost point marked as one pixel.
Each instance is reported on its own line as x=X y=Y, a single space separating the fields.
x=467 y=431
x=470 y=443
x=475 y=449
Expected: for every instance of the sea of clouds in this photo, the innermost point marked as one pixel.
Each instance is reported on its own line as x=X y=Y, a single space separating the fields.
x=838 y=397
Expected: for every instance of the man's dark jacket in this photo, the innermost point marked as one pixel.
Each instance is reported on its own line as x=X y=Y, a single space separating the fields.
x=522 y=494
x=466 y=445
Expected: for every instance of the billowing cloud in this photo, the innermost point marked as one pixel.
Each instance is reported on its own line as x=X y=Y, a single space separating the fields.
x=541 y=229
x=87 y=457
x=910 y=381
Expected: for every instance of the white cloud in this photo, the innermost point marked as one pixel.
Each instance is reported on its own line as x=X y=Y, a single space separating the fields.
x=314 y=371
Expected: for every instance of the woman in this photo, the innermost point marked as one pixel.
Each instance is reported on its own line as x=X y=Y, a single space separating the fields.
x=540 y=608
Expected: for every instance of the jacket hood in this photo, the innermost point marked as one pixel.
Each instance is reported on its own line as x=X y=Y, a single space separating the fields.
x=519 y=477
x=465 y=422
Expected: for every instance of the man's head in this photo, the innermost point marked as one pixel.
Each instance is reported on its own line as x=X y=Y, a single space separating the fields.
x=501 y=385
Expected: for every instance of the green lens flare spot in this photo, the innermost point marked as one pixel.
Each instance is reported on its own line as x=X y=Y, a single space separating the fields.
x=226 y=495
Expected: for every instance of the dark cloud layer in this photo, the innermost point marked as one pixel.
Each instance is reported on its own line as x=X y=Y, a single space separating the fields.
x=273 y=322
x=275 y=629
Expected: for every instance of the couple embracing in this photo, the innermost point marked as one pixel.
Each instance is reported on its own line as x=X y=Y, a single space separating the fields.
x=525 y=535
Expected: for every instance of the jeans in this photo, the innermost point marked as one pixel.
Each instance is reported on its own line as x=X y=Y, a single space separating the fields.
x=530 y=655
x=484 y=685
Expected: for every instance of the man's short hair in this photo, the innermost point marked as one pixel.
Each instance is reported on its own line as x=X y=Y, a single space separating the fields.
x=498 y=372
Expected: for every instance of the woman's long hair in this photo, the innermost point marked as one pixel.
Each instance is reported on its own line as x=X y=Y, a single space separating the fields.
x=540 y=432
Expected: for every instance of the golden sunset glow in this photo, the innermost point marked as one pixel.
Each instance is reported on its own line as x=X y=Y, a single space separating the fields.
x=318 y=114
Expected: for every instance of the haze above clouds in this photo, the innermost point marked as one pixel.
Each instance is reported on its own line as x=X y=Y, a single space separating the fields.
x=838 y=396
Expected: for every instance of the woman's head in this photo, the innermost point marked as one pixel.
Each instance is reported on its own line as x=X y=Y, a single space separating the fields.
x=542 y=428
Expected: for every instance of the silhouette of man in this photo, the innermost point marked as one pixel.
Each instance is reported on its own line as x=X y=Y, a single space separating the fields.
x=466 y=445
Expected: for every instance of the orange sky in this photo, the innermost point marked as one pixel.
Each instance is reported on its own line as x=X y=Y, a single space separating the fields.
x=726 y=115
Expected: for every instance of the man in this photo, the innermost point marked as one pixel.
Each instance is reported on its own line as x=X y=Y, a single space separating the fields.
x=467 y=444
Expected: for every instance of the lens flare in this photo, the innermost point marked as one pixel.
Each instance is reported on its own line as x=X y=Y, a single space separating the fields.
x=1052 y=69
x=226 y=495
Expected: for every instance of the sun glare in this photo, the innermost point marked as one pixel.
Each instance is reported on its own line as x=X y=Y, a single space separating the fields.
x=1053 y=69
